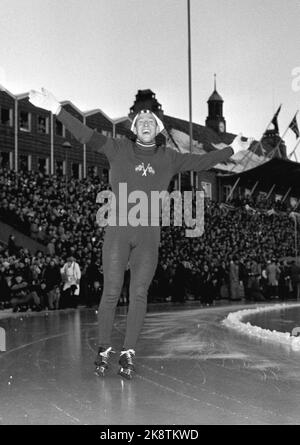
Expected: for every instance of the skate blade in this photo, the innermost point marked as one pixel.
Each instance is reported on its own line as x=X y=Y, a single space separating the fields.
x=100 y=371
x=126 y=373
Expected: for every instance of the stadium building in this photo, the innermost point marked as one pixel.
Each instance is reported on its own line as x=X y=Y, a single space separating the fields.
x=33 y=139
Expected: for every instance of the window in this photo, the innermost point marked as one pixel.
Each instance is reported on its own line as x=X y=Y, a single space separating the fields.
x=59 y=170
x=43 y=124
x=76 y=170
x=92 y=170
x=105 y=176
x=24 y=163
x=4 y=159
x=207 y=189
x=106 y=133
x=25 y=121
x=226 y=191
x=6 y=116
x=43 y=165
x=59 y=129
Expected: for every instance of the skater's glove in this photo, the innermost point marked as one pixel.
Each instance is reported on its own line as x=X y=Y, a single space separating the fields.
x=237 y=144
x=44 y=99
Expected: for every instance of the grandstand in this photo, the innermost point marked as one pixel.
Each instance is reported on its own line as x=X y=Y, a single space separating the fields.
x=49 y=183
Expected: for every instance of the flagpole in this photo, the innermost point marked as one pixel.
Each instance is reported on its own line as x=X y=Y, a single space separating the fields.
x=232 y=189
x=285 y=196
x=253 y=188
x=277 y=145
x=270 y=191
x=296 y=241
x=281 y=137
x=190 y=83
x=294 y=149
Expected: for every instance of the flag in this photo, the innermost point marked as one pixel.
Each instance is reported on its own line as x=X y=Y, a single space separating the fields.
x=294 y=126
x=274 y=120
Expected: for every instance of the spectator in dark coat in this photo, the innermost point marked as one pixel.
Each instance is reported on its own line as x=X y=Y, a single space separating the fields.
x=178 y=285
x=52 y=275
x=295 y=277
x=22 y=294
x=11 y=245
x=206 y=290
x=4 y=287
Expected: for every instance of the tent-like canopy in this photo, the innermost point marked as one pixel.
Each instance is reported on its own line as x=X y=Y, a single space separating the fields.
x=282 y=172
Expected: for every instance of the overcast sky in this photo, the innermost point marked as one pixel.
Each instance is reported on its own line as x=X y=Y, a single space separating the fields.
x=98 y=53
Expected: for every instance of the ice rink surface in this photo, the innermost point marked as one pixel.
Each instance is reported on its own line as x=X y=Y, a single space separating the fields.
x=191 y=369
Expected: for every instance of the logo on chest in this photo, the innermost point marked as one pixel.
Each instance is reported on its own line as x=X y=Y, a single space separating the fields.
x=141 y=168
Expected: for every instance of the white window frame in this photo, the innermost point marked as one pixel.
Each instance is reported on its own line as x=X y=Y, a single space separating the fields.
x=11 y=160
x=47 y=166
x=206 y=185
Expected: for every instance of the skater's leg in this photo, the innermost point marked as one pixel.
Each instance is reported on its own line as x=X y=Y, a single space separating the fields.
x=143 y=262
x=115 y=258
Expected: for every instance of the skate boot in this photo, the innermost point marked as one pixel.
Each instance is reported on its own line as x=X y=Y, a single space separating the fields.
x=102 y=360
x=126 y=363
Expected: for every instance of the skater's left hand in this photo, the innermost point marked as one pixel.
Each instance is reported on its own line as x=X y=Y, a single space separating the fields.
x=237 y=144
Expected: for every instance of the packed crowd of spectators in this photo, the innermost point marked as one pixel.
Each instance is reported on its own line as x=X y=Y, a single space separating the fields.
x=240 y=255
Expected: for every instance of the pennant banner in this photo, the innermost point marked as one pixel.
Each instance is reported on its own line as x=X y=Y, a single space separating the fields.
x=275 y=119
x=294 y=126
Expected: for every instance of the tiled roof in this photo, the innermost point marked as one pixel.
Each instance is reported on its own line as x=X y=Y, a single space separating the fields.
x=202 y=134
x=205 y=135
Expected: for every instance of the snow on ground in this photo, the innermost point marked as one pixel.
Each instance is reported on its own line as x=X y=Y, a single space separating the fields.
x=234 y=320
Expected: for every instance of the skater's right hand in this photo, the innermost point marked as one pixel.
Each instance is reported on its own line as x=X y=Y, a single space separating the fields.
x=44 y=99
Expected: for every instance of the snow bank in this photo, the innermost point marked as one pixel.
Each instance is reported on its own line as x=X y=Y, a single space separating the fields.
x=234 y=320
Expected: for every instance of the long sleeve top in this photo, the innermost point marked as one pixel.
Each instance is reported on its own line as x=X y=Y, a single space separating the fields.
x=71 y=275
x=140 y=168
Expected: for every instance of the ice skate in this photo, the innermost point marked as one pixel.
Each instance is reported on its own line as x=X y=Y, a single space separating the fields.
x=102 y=360
x=126 y=364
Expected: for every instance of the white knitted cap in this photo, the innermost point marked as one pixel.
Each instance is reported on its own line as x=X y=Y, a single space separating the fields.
x=158 y=121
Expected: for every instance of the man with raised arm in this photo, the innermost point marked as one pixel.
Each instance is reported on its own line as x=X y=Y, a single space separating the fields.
x=142 y=166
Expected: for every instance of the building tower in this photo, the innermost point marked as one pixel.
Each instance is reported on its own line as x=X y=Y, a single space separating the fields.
x=215 y=119
x=145 y=99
